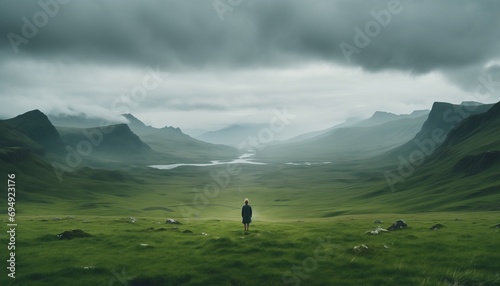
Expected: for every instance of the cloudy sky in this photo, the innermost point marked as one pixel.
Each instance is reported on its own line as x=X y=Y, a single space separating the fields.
x=208 y=64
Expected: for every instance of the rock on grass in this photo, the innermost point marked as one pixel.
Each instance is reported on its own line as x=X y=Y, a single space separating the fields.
x=75 y=233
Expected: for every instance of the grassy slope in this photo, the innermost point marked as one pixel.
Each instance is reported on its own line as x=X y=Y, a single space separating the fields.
x=437 y=186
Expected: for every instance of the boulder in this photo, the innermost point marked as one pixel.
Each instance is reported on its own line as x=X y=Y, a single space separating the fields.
x=496 y=226
x=437 y=226
x=172 y=221
x=399 y=224
x=376 y=231
x=75 y=233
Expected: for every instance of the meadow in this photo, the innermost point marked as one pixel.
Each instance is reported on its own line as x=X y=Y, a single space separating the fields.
x=284 y=252
x=309 y=228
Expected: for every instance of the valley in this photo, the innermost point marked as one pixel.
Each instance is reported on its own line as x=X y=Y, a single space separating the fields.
x=314 y=201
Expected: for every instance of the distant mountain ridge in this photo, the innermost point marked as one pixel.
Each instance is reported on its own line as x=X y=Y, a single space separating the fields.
x=232 y=135
x=377 y=118
x=178 y=146
x=357 y=140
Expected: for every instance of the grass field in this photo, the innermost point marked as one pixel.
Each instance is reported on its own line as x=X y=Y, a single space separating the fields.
x=307 y=221
x=293 y=252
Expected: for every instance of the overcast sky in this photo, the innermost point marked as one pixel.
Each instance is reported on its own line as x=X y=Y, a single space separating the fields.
x=208 y=64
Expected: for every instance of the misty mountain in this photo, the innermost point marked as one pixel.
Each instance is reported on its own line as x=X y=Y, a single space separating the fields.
x=80 y=121
x=178 y=146
x=358 y=141
x=36 y=125
x=309 y=135
x=232 y=135
x=379 y=117
x=111 y=144
x=194 y=132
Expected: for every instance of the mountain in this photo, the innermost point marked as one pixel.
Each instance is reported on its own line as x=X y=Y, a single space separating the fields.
x=309 y=135
x=461 y=174
x=232 y=135
x=379 y=117
x=12 y=137
x=177 y=146
x=110 y=144
x=194 y=132
x=358 y=141
x=80 y=121
x=35 y=125
x=442 y=118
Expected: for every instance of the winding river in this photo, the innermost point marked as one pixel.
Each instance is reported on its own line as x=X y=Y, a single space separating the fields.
x=243 y=159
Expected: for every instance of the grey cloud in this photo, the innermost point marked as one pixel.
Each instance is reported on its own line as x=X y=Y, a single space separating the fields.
x=425 y=36
x=92 y=52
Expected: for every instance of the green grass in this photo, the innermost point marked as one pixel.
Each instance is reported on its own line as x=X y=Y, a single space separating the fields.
x=294 y=206
x=311 y=251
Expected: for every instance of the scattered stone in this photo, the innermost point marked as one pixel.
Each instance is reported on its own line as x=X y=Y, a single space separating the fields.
x=70 y=217
x=360 y=248
x=75 y=233
x=187 y=231
x=133 y=219
x=172 y=221
x=378 y=221
x=376 y=231
x=203 y=233
x=399 y=224
x=496 y=226
x=150 y=229
x=143 y=244
x=88 y=267
x=437 y=226
x=56 y=218
x=386 y=247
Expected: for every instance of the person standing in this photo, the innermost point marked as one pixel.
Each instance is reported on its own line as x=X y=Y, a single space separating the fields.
x=246 y=214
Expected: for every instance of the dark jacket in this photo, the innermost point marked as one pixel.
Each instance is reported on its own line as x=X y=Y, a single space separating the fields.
x=246 y=213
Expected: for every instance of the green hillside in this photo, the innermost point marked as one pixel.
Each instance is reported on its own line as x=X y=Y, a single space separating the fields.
x=11 y=136
x=461 y=174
